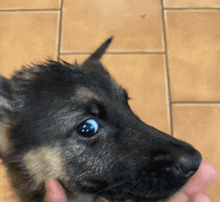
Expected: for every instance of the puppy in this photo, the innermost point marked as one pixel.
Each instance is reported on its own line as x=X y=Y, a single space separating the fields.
x=73 y=124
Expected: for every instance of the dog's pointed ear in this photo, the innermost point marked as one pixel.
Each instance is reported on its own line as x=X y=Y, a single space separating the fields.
x=5 y=95
x=5 y=107
x=99 y=52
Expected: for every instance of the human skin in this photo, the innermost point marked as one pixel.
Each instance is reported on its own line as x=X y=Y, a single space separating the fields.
x=193 y=191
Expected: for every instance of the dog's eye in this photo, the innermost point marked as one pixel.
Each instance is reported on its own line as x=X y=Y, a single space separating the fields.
x=88 y=128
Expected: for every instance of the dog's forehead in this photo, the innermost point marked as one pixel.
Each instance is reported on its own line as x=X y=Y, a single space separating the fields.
x=59 y=83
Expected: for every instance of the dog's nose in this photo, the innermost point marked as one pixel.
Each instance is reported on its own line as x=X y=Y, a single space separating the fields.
x=187 y=164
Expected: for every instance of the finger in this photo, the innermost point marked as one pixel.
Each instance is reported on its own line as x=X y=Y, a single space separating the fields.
x=205 y=175
x=200 y=197
x=55 y=192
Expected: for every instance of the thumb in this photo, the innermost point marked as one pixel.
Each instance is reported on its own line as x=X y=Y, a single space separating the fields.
x=55 y=192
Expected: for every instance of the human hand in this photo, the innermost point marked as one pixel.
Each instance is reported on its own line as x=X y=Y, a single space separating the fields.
x=193 y=191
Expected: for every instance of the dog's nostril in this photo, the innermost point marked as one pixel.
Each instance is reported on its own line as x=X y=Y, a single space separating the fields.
x=187 y=165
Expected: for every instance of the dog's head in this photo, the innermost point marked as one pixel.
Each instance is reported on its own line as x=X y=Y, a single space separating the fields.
x=73 y=123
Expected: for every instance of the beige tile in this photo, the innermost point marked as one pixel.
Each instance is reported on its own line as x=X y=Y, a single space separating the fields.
x=27 y=37
x=192 y=4
x=199 y=125
x=136 y=25
x=27 y=4
x=145 y=79
x=193 y=53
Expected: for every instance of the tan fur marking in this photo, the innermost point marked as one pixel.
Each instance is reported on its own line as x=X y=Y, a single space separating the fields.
x=44 y=163
x=4 y=142
x=85 y=94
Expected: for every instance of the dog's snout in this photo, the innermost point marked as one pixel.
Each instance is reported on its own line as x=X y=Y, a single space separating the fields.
x=188 y=164
x=177 y=157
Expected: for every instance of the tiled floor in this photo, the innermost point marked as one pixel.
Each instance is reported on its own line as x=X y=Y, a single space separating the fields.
x=166 y=53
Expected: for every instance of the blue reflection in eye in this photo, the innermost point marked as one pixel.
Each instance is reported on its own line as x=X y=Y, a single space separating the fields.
x=88 y=128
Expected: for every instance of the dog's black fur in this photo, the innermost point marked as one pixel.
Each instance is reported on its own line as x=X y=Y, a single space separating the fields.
x=45 y=133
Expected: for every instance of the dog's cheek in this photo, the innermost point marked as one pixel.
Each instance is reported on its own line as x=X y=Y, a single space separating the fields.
x=45 y=163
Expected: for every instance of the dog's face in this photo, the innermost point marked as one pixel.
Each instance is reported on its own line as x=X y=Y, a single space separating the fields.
x=73 y=123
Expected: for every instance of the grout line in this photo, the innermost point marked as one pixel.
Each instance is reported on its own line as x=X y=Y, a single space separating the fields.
x=195 y=103
x=196 y=9
x=113 y=52
x=167 y=68
x=60 y=29
x=29 y=10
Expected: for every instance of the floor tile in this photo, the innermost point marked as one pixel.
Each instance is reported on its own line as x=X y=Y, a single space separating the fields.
x=199 y=125
x=136 y=25
x=145 y=79
x=193 y=53
x=27 y=37
x=192 y=4
x=27 y=4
